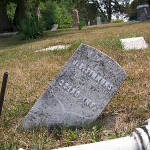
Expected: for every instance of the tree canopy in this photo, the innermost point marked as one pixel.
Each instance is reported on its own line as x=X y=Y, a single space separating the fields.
x=87 y=11
x=108 y=7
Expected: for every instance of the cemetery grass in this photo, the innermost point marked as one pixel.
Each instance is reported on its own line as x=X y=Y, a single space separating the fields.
x=30 y=74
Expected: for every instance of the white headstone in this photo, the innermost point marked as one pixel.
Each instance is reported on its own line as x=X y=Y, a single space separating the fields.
x=134 y=43
x=98 y=20
x=79 y=93
x=54 y=27
x=52 y=48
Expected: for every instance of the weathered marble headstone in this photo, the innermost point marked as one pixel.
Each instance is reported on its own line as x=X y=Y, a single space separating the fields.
x=54 y=27
x=143 y=17
x=134 y=43
x=98 y=19
x=143 y=12
x=79 y=93
x=75 y=17
x=52 y=48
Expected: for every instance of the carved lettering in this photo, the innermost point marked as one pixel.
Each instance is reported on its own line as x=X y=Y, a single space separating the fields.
x=92 y=105
x=66 y=86
x=88 y=102
x=103 y=81
x=81 y=66
x=93 y=74
x=106 y=84
x=73 y=91
x=61 y=82
x=75 y=62
x=87 y=70
x=110 y=87
x=98 y=78
x=77 y=94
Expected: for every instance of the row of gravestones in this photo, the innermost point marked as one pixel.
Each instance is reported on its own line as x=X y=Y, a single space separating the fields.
x=79 y=93
x=143 y=12
x=76 y=20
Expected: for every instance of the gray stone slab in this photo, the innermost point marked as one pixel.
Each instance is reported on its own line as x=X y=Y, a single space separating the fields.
x=8 y=33
x=98 y=19
x=138 y=43
x=79 y=93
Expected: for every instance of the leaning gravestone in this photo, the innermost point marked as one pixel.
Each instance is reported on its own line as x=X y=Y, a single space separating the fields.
x=54 y=27
x=79 y=93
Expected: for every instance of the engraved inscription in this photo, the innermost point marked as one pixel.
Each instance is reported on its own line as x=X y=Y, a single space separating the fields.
x=91 y=73
x=77 y=94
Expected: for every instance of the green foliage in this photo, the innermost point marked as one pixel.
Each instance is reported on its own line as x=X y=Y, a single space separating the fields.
x=71 y=136
x=108 y=7
x=91 y=11
x=11 y=7
x=96 y=133
x=51 y=14
x=115 y=43
x=9 y=146
x=133 y=16
x=81 y=25
x=31 y=28
x=65 y=18
x=55 y=13
x=117 y=21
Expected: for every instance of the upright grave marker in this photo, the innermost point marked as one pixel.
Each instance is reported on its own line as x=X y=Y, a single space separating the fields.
x=98 y=19
x=75 y=17
x=79 y=93
x=143 y=12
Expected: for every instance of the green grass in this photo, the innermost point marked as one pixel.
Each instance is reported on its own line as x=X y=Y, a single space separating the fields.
x=117 y=21
x=30 y=74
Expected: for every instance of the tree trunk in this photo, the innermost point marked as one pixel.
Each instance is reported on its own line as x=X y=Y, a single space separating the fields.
x=109 y=11
x=4 y=21
x=20 y=12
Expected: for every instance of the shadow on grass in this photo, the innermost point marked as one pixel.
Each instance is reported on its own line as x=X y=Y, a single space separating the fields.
x=18 y=40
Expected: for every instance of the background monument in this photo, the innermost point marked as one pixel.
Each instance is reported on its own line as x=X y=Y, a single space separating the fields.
x=75 y=17
x=143 y=12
